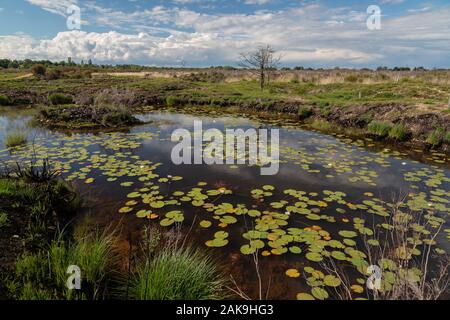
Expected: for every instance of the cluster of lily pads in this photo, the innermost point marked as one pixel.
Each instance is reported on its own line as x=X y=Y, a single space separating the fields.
x=314 y=226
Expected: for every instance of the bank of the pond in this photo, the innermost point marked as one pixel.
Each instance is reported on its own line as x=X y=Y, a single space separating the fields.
x=44 y=240
x=398 y=112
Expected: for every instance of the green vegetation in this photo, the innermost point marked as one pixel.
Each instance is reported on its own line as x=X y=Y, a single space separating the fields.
x=447 y=137
x=398 y=132
x=34 y=192
x=436 y=137
x=172 y=101
x=15 y=139
x=321 y=125
x=4 y=100
x=3 y=219
x=43 y=275
x=175 y=274
x=59 y=99
x=379 y=128
x=78 y=117
x=304 y=112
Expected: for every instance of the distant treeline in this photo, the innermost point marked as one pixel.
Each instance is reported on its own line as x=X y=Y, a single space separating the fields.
x=28 y=63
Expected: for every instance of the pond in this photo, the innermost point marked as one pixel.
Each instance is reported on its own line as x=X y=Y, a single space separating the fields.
x=328 y=195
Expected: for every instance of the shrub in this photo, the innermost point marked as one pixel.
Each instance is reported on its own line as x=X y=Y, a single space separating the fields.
x=4 y=100
x=398 y=132
x=177 y=274
x=53 y=74
x=39 y=70
x=15 y=139
x=304 y=112
x=379 y=128
x=58 y=98
x=436 y=137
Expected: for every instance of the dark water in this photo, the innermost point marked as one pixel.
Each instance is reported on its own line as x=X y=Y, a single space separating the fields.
x=312 y=163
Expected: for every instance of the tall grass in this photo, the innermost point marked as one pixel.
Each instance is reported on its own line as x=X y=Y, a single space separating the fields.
x=15 y=139
x=177 y=274
x=398 y=132
x=379 y=128
x=58 y=98
x=436 y=137
x=44 y=274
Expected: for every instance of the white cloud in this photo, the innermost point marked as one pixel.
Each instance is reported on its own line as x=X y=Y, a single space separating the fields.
x=260 y=2
x=54 y=6
x=310 y=33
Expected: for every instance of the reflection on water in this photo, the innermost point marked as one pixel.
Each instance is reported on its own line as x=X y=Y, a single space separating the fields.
x=323 y=181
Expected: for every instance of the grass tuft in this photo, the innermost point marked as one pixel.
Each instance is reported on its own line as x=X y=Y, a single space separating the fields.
x=304 y=112
x=15 y=139
x=58 y=99
x=177 y=274
x=379 y=128
x=436 y=137
x=4 y=100
x=398 y=132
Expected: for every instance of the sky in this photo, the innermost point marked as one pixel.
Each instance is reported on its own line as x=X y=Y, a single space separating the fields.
x=201 y=33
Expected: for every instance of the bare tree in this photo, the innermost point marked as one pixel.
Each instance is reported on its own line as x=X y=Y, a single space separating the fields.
x=261 y=62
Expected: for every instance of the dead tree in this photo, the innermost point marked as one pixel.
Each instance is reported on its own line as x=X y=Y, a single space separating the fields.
x=261 y=62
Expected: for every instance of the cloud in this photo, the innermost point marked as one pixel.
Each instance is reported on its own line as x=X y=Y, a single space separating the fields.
x=54 y=6
x=307 y=34
x=259 y=2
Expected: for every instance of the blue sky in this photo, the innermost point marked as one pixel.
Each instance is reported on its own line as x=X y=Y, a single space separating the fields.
x=318 y=33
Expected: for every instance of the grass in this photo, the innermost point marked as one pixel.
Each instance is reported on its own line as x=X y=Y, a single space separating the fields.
x=304 y=112
x=177 y=274
x=447 y=137
x=58 y=98
x=322 y=125
x=379 y=128
x=15 y=139
x=4 y=100
x=436 y=137
x=43 y=274
x=3 y=219
x=40 y=197
x=398 y=132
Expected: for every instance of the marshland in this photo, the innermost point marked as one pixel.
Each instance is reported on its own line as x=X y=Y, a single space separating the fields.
x=87 y=180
